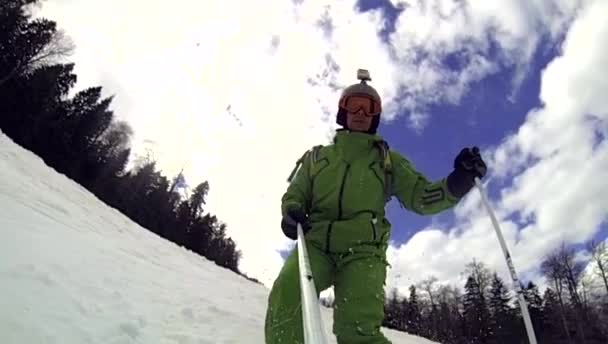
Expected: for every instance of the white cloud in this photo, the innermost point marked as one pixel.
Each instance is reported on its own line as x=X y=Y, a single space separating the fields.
x=557 y=159
x=429 y=32
x=444 y=254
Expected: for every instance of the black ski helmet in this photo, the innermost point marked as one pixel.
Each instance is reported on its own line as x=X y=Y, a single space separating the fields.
x=362 y=88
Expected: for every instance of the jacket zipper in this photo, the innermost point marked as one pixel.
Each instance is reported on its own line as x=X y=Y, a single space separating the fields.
x=339 y=207
x=342 y=192
x=328 y=237
x=374 y=233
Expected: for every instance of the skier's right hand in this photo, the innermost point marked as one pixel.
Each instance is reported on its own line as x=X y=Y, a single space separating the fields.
x=290 y=221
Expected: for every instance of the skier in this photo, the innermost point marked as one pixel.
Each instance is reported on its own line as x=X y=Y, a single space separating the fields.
x=337 y=193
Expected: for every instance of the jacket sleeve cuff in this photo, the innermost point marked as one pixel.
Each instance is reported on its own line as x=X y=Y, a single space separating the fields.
x=290 y=205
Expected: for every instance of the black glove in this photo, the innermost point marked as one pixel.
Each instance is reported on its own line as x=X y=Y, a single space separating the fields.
x=467 y=165
x=290 y=221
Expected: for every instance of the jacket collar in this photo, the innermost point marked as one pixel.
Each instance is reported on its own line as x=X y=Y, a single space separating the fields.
x=354 y=144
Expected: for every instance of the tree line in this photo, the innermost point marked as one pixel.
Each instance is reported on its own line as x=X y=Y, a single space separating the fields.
x=571 y=310
x=78 y=135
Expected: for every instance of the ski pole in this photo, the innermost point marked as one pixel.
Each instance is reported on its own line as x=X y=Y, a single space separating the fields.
x=314 y=332
x=505 y=251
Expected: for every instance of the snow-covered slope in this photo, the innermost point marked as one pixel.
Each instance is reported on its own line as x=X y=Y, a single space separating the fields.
x=73 y=270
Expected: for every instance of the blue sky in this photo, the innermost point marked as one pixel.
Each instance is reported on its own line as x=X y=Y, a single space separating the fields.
x=232 y=95
x=484 y=116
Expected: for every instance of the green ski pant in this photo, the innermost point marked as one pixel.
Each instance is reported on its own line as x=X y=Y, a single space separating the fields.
x=358 y=279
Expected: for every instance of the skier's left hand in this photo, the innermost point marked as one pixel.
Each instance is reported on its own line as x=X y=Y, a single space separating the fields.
x=469 y=160
x=467 y=166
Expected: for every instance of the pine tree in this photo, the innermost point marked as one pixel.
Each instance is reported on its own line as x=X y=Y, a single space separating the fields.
x=391 y=310
x=501 y=313
x=403 y=314
x=553 y=331
x=535 y=307
x=476 y=312
x=414 y=323
x=446 y=325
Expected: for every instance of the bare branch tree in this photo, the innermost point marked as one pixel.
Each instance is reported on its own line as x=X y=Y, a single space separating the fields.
x=572 y=273
x=59 y=48
x=480 y=273
x=428 y=285
x=599 y=255
x=552 y=270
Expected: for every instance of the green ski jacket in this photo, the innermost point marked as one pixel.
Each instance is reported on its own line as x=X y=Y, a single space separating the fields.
x=344 y=187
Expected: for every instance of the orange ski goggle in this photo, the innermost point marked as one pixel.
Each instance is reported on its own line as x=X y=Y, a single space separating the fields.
x=356 y=102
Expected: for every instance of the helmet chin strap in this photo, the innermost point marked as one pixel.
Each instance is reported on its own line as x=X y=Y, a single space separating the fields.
x=370 y=130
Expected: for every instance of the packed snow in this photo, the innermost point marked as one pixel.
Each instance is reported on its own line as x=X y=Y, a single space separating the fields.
x=73 y=270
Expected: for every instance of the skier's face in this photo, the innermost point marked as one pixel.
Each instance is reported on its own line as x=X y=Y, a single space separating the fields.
x=358 y=121
x=359 y=114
